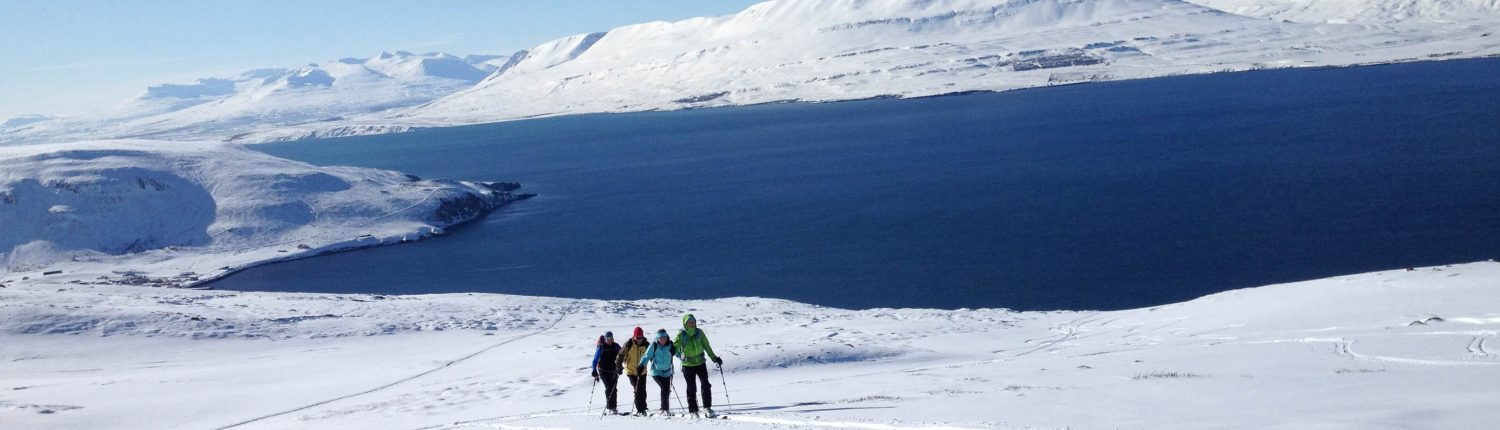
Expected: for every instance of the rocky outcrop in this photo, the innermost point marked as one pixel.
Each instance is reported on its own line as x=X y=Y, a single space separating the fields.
x=470 y=206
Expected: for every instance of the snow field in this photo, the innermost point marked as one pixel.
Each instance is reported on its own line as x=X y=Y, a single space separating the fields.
x=1395 y=349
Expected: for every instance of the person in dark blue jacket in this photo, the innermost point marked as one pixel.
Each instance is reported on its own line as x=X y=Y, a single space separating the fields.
x=605 y=367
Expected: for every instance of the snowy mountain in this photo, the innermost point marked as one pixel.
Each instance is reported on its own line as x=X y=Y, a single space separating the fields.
x=1385 y=350
x=1360 y=11
x=178 y=213
x=824 y=50
x=799 y=50
x=262 y=98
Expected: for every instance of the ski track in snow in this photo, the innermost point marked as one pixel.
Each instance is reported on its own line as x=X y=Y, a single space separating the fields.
x=492 y=423
x=1065 y=330
x=554 y=323
x=1345 y=347
x=1477 y=346
x=838 y=424
x=418 y=203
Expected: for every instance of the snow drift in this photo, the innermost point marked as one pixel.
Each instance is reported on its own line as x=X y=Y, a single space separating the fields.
x=125 y=211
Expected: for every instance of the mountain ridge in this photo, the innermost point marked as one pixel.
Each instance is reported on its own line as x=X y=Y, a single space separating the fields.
x=1357 y=11
x=786 y=50
x=267 y=97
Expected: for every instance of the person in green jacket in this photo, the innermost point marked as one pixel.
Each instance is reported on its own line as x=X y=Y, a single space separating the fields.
x=691 y=344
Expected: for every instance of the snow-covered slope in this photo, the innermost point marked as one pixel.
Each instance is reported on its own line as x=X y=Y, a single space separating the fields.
x=1360 y=11
x=804 y=50
x=1386 y=350
x=817 y=50
x=181 y=212
x=23 y=120
x=267 y=98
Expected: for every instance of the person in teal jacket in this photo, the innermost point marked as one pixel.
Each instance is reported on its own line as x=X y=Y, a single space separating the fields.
x=691 y=344
x=659 y=357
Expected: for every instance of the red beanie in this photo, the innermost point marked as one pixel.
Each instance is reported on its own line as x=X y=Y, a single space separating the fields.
x=639 y=332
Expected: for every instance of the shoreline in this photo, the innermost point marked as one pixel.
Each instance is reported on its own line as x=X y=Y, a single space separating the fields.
x=204 y=283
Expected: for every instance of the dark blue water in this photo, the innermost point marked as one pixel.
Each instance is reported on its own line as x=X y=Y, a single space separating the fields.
x=1099 y=196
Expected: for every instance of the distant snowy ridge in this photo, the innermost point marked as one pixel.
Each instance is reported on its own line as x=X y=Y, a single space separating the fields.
x=23 y=120
x=797 y=50
x=176 y=214
x=827 y=50
x=1359 y=11
x=266 y=98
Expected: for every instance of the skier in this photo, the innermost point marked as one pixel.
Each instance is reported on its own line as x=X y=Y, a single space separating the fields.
x=606 y=366
x=634 y=349
x=659 y=355
x=691 y=344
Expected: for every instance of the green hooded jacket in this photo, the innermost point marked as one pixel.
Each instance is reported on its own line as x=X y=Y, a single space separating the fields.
x=692 y=343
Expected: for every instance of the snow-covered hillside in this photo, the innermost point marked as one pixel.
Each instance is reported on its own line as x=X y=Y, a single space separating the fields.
x=798 y=50
x=822 y=50
x=23 y=120
x=267 y=98
x=176 y=213
x=1386 y=350
x=1360 y=11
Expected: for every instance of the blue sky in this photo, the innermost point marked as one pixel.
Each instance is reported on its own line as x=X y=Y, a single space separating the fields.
x=67 y=57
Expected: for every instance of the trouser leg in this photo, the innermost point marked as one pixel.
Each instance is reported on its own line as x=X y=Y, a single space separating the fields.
x=692 y=390
x=611 y=389
x=708 y=389
x=665 y=382
x=698 y=376
x=692 y=386
x=638 y=383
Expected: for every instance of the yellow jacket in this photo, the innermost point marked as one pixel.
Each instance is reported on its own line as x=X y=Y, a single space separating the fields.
x=631 y=353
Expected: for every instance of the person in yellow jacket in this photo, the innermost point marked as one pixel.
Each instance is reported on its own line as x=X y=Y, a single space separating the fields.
x=634 y=348
x=692 y=343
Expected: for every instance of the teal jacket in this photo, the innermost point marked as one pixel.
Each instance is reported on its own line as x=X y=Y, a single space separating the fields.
x=692 y=343
x=660 y=358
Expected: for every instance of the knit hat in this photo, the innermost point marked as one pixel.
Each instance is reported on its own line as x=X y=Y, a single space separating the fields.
x=609 y=335
x=662 y=334
x=639 y=332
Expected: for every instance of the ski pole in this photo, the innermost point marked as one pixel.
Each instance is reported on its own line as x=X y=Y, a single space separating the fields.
x=727 y=402
x=591 y=394
x=673 y=383
x=591 y=400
